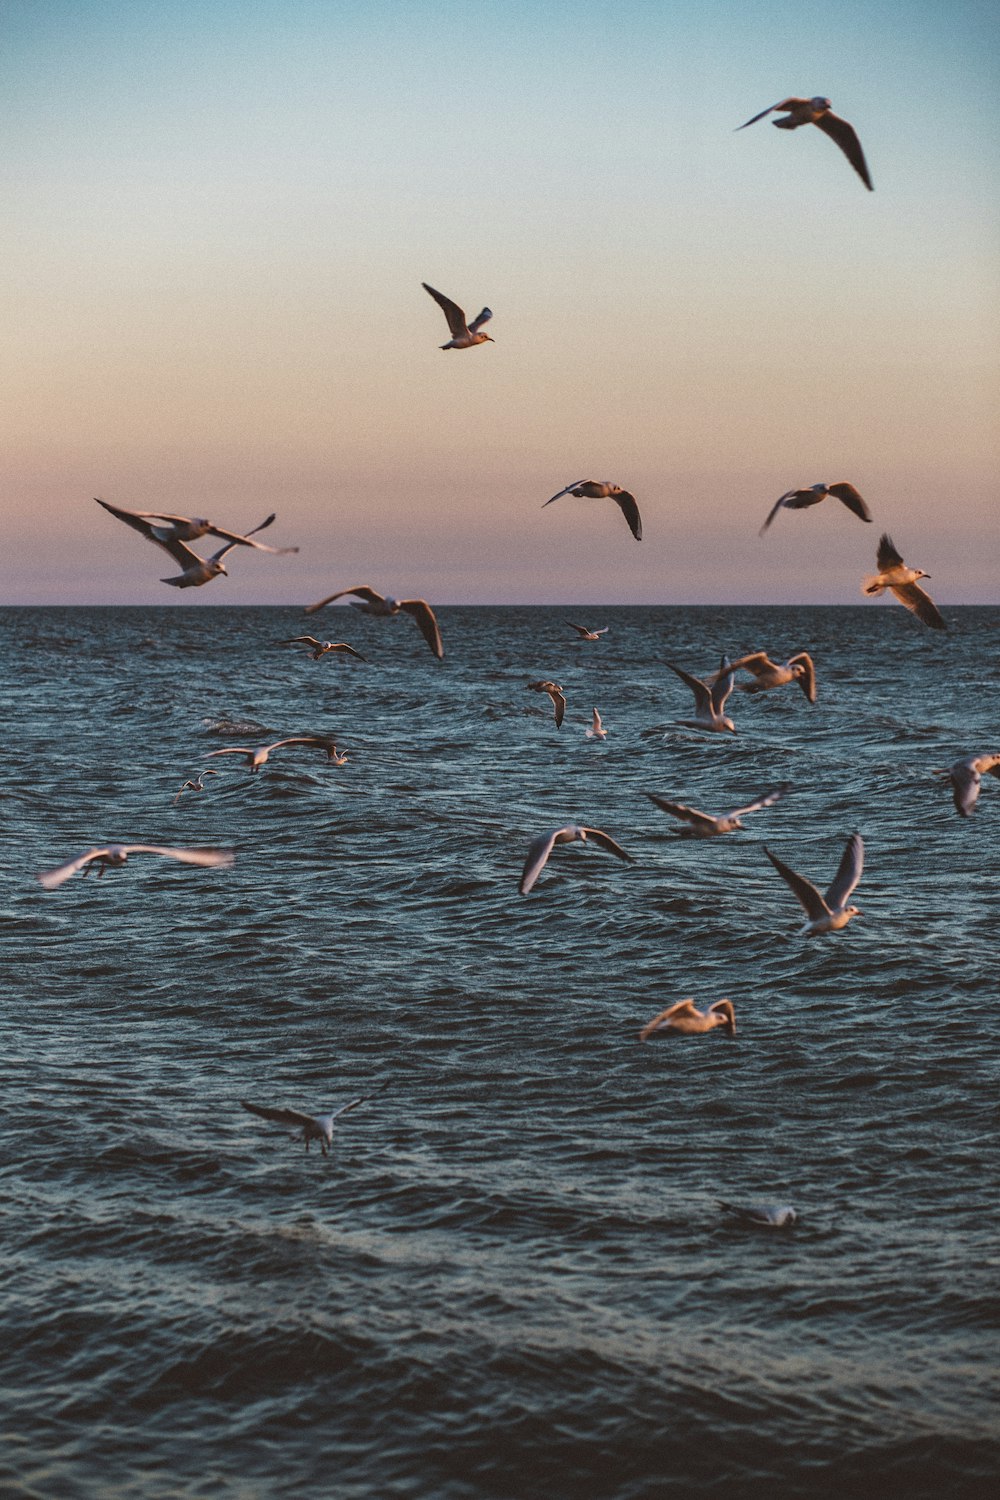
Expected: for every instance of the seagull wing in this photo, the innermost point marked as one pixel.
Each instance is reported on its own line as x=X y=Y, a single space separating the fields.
x=757 y=662
x=452 y=311
x=767 y=801
x=920 y=604
x=306 y=640
x=630 y=510
x=783 y=499
x=477 y=322
x=424 y=616
x=362 y=592
x=581 y=629
x=343 y=646
x=702 y=696
x=232 y=750
x=847 y=139
x=683 y=1007
x=848 y=872
x=807 y=681
x=568 y=490
x=185 y=856
x=887 y=557
x=850 y=497
x=723 y=685
x=965 y=781
x=243 y=539
x=353 y=1103
x=607 y=842
x=808 y=896
x=686 y=814
x=179 y=551
x=51 y=878
x=785 y=104
x=558 y=704
x=538 y=852
x=279 y=1116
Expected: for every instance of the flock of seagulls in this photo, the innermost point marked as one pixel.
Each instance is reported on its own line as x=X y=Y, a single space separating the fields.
x=825 y=913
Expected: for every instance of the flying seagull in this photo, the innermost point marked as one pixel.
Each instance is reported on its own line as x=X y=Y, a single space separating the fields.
x=597 y=489
x=769 y=674
x=540 y=849
x=197 y=785
x=827 y=913
x=555 y=692
x=965 y=777
x=584 y=631
x=255 y=758
x=767 y=1216
x=709 y=701
x=313 y=1127
x=704 y=825
x=320 y=648
x=684 y=1019
x=818 y=112
x=188 y=528
x=893 y=574
x=802 y=499
x=112 y=856
x=373 y=603
x=463 y=335
x=597 y=730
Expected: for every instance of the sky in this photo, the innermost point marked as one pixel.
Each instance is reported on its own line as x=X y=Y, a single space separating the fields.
x=219 y=217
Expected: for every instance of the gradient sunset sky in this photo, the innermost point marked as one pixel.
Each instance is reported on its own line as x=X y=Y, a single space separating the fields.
x=219 y=216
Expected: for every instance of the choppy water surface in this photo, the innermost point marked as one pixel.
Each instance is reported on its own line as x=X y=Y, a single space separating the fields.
x=511 y=1277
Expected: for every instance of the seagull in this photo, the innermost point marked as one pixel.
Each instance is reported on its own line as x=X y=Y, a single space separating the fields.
x=684 y=1019
x=965 y=777
x=197 y=785
x=188 y=529
x=709 y=701
x=111 y=856
x=257 y=758
x=555 y=692
x=769 y=1216
x=320 y=648
x=802 y=499
x=598 y=489
x=704 y=825
x=313 y=1127
x=770 y=674
x=463 y=335
x=583 y=631
x=597 y=730
x=818 y=112
x=827 y=913
x=373 y=603
x=893 y=574
x=542 y=847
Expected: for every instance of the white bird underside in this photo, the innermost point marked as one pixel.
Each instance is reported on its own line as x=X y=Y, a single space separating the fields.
x=901 y=581
x=827 y=913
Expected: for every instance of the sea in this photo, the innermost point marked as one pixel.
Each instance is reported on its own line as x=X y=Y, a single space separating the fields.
x=511 y=1277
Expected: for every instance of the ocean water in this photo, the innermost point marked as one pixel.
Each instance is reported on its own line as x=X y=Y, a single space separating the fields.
x=511 y=1278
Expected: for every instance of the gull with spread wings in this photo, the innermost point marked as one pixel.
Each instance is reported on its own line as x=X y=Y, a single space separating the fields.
x=599 y=489
x=893 y=574
x=584 y=631
x=709 y=701
x=966 y=776
x=769 y=674
x=555 y=692
x=540 y=849
x=463 y=335
x=113 y=856
x=374 y=603
x=803 y=499
x=255 y=758
x=321 y=648
x=831 y=912
x=313 y=1127
x=705 y=825
x=685 y=1019
x=818 y=111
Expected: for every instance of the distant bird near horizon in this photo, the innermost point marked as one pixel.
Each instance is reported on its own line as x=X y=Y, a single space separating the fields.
x=709 y=701
x=321 y=648
x=463 y=335
x=893 y=574
x=374 y=603
x=966 y=776
x=763 y=1215
x=584 y=631
x=541 y=847
x=597 y=730
x=684 y=1019
x=705 y=825
x=599 y=489
x=113 y=856
x=803 y=499
x=555 y=692
x=255 y=758
x=829 y=913
x=768 y=674
x=818 y=111
x=313 y=1127
x=197 y=785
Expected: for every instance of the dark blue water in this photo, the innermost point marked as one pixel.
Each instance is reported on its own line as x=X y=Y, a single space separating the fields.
x=511 y=1277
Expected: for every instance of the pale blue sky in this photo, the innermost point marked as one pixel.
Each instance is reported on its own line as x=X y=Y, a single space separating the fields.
x=223 y=213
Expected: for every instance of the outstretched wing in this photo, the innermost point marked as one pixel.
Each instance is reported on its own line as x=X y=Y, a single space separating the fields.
x=538 y=852
x=785 y=104
x=353 y=1103
x=306 y=640
x=723 y=685
x=756 y=662
x=607 y=842
x=887 y=557
x=185 y=856
x=850 y=497
x=558 y=704
x=683 y=1007
x=808 y=896
x=51 y=878
x=568 y=490
x=965 y=782
x=920 y=604
x=702 y=696
x=768 y=801
x=424 y=616
x=807 y=680
x=848 y=872
x=630 y=510
x=179 y=551
x=477 y=322
x=362 y=592
x=847 y=139
x=278 y=1116
x=686 y=814
x=452 y=311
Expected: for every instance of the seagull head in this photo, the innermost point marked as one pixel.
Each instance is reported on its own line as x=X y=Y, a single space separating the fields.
x=921 y=574
x=854 y=911
x=727 y=723
x=819 y=103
